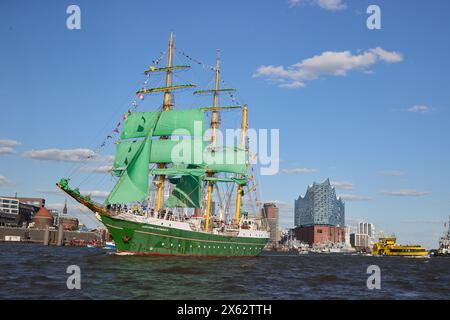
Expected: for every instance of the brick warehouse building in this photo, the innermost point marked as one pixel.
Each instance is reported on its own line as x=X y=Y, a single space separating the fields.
x=320 y=215
x=319 y=234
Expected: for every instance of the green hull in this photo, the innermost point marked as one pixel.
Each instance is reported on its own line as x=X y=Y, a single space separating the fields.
x=148 y=239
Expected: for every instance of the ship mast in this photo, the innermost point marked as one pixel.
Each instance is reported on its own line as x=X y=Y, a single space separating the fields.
x=213 y=143
x=166 y=107
x=239 y=190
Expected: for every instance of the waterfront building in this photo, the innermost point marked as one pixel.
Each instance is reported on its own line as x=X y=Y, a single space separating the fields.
x=15 y=213
x=43 y=219
x=36 y=202
x=319 y=216
x=271 y=213
x=347 y=232
x=352 y=239
x=365 y=235
x=68 y=223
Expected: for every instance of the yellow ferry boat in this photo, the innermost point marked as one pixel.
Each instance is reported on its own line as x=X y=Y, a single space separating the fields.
x=386 y=246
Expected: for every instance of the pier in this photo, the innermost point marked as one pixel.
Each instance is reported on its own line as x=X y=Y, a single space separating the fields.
x=56 y=237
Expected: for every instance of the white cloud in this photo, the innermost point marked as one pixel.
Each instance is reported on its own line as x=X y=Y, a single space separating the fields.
x=6 y=150
x=324 y=4
x=329 y=63
x=353 y=197
x=5 y=182
x=392 y=173
x=389 y=57
x=66 y=155
x=405 y=193
x=342 y=185
x=435 y=222
x=95 y=193
x=292 y=85
x=298 y=170
x=101 y=169
x=9 y=143
x=419 y=109
x=51 y=191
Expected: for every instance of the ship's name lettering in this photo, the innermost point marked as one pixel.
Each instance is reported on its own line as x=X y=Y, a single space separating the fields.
x=156 y=228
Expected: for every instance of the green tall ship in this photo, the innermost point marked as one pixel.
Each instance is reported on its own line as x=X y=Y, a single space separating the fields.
x=175 y=214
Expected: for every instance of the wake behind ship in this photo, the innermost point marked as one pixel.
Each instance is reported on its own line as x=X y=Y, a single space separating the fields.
x=141 y=219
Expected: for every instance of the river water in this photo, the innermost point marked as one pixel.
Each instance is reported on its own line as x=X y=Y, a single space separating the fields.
x=29 y=271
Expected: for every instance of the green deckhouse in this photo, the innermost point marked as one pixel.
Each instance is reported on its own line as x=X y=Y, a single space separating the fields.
x=169 y=146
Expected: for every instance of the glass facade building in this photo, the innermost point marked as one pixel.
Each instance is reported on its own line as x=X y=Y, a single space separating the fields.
x=319 y=206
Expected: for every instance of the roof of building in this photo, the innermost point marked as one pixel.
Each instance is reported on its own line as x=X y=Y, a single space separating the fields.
x=43 y=213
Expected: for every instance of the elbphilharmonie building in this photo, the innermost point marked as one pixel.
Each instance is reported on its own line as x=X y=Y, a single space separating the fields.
x=319 y=206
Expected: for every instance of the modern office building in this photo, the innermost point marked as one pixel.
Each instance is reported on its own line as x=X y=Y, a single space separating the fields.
x=270 y=212
x=15 y=213
x=365 y=235
x=37 y=202
x=9 y=205
x=319 y=216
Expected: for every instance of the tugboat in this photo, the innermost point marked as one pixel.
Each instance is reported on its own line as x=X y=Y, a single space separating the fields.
x=386 y=246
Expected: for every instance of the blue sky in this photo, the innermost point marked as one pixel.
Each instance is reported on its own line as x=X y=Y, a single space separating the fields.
x=369 y=108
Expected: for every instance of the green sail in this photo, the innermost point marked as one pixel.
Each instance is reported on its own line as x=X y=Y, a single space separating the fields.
x=185 y=122
x=227 y=159
x=125 y=152
x=187 y=193
x=133 y=183
x=161 y=151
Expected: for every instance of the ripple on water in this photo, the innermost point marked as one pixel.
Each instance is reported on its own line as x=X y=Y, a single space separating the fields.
x=33 y=272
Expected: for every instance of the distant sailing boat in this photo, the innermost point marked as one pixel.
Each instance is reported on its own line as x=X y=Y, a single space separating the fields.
x=166 y=228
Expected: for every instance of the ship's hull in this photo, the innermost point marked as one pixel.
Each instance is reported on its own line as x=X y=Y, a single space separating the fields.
x=150 y=239
x=401 y=251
